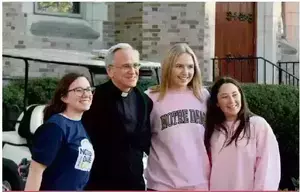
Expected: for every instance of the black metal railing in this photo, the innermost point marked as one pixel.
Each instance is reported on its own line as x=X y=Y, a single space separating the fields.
x=253 y=70
x=291 y=67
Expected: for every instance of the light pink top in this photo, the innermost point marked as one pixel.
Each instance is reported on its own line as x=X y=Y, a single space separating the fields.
x=178 y=158
x=255 y=166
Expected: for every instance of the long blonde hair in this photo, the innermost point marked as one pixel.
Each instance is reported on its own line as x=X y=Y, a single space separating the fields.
x=167 y=66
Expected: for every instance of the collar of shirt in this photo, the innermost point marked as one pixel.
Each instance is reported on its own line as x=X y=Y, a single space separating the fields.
x=117 y=92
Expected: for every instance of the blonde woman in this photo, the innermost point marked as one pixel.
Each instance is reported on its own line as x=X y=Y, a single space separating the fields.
x=178 y=159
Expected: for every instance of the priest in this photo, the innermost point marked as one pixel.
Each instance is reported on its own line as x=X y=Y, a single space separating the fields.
x=118 y=124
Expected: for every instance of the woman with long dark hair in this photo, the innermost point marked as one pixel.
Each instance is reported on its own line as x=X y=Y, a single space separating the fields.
x=242 y=147
x=62 y=154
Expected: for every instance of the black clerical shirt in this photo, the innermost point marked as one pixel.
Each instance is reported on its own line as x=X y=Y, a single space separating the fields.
x=119 y=128
x=128 y=110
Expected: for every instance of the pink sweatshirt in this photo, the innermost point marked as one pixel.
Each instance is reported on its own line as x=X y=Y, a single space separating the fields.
x=255 y=166
x=178 y=158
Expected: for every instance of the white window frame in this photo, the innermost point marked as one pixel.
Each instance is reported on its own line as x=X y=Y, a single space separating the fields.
x=74 y=15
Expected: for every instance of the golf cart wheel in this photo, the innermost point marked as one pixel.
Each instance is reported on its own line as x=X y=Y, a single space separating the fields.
x=6 y=186
x=11 y=179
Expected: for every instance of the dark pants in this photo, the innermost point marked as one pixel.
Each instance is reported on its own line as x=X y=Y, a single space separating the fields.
x=114 y=185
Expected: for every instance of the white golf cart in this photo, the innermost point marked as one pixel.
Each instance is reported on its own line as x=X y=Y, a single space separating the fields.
x=16 y=140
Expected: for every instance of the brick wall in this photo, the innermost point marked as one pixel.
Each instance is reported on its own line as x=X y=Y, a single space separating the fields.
x=150 y=27
x=13 y=26
x=129 y=21
x=18 y=19
x=168 y=23
x=153 y=28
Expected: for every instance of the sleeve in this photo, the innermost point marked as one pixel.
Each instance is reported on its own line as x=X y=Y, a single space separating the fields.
x=47 y=141
x=148 y=127
x=267 y=168
x=144 y=137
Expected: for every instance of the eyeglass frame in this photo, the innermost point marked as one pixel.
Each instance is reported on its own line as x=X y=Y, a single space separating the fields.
x=89 y=89
x=128 y=66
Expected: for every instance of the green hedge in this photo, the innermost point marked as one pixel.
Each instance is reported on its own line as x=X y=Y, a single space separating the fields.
x=40 y=91
x=278 y=104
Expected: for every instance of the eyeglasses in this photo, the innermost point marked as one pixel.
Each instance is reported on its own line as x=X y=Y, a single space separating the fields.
x=79 y=91
x=128 y=66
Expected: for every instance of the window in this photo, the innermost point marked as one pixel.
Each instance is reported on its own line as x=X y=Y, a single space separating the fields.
x=69 y=9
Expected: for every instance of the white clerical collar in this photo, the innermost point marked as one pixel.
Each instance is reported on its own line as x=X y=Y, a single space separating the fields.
x=124 y=94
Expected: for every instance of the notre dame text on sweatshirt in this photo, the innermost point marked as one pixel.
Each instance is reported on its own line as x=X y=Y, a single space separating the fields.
x=178 y=158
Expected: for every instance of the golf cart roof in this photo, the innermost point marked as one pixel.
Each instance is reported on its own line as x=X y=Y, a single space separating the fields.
x=70 y=57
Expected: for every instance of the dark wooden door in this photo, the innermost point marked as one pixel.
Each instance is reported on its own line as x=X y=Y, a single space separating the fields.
x=235 y=36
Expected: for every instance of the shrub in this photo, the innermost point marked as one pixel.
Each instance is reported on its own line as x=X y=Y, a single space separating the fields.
x=13 y=93
x=40 y=91
x=279 y=105
x=144 y=84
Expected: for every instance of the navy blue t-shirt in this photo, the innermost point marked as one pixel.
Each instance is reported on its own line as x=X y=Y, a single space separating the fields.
x=64 y=147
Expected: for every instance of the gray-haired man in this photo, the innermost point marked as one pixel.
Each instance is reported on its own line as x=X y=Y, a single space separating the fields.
x=118 y=124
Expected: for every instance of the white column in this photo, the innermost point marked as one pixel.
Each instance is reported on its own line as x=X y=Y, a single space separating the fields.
x=268 y=14
x=209 y=39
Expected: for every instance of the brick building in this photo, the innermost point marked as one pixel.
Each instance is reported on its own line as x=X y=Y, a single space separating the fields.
x=211 y=29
